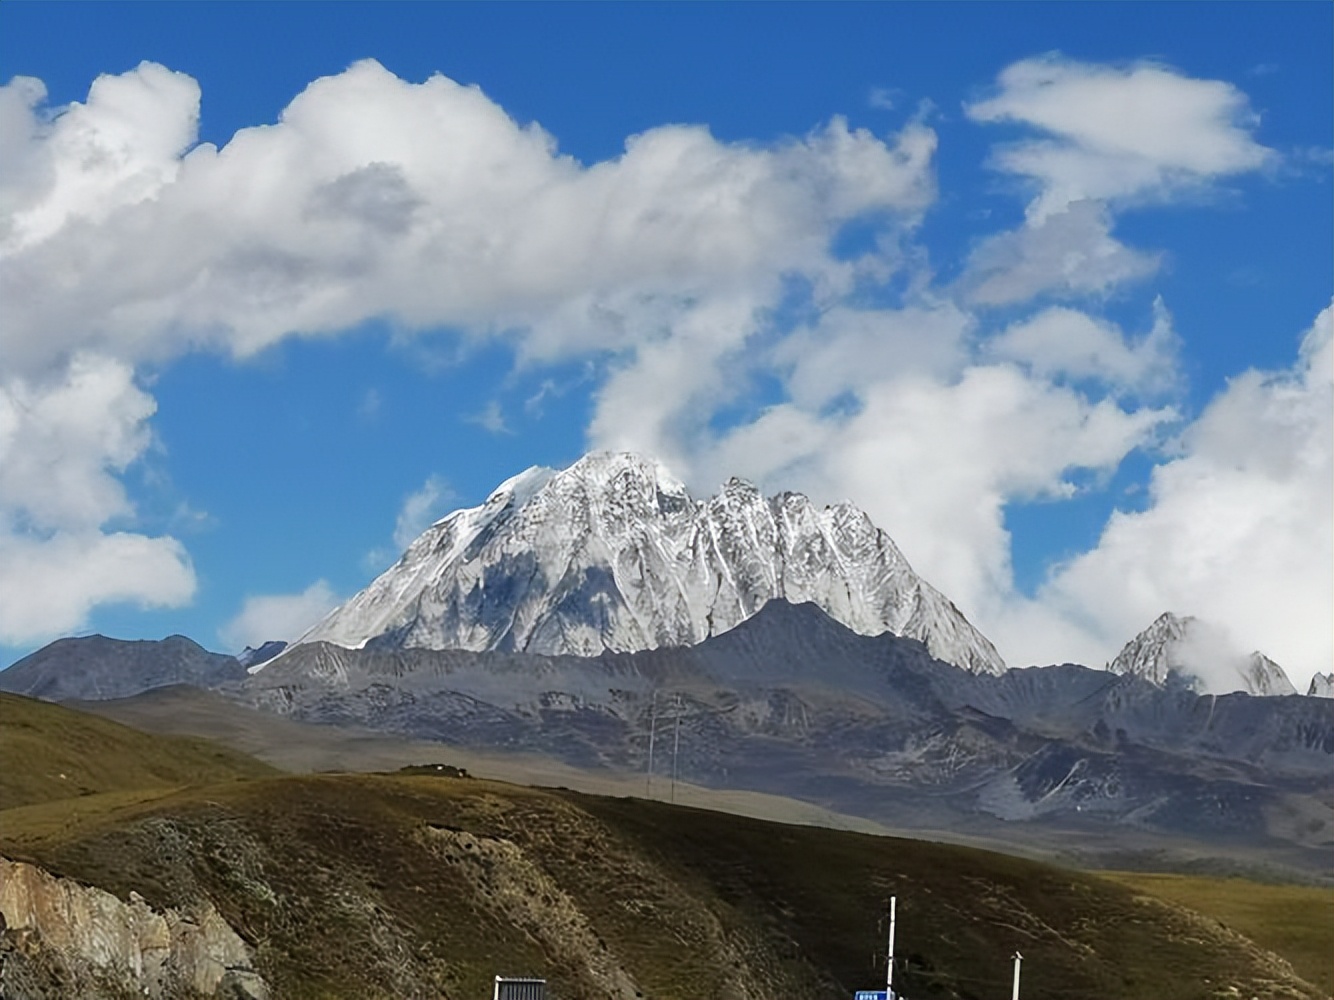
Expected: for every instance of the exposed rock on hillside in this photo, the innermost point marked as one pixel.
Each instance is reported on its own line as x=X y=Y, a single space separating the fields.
x=63 y=939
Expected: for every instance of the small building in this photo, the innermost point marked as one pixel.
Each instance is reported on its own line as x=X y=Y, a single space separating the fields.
x=512 y=988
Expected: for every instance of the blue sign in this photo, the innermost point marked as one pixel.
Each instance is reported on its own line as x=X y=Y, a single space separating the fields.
x=872 y=995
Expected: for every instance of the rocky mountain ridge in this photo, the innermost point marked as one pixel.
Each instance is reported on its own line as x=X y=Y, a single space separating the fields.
x=792 y=702
x=95 y=668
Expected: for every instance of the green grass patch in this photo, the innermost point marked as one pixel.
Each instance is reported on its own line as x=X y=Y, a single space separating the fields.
x=48 y=753
x=1293 y=921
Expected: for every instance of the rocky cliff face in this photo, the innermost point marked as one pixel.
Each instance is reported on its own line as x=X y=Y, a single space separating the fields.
x=62 y=939
x=613 y=554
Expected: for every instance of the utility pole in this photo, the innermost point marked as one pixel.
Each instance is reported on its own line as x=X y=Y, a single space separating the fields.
x=889 y=960
x=652 y=731
x=676 y=743
x=1018 y=961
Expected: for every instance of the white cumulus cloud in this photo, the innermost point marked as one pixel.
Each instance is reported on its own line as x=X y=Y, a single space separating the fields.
x=264 y=617
x=63 y=441
x=1238 y=528
x=1119 y=132
x=1072 y=344
x=1109 y=136
x=1068 y=253
x=50 y=584
x=373 y=196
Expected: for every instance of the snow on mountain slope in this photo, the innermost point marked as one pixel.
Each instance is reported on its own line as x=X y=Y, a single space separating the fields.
x=613 y=553
x=1187 y=651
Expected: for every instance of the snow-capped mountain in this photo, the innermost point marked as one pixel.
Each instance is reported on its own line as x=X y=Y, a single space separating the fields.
x=614 y=553
x=1186 y=651
x=1322 y=686
x=1265 y=677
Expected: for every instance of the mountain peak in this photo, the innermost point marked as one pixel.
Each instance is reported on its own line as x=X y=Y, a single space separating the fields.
x=613 y=553
x=608 y=465
x=1184 y=650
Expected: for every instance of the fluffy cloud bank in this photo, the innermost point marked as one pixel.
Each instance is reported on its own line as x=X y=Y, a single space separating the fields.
x=1238 y=529
x=692 y=271
x=285 y=617
x=122 y=241
x=424 y=202
x=63 y=440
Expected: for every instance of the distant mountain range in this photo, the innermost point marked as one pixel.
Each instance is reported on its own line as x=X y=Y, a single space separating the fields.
x=792 y=702
x=785 y=648
x=95 y=668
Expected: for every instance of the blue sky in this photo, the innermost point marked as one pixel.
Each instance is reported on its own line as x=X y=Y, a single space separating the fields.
x=1042 y=287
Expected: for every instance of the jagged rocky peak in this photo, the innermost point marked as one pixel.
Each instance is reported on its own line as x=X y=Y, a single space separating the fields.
x=1322 y=686
x=1264 y=676
x=1150 y=654
x=1186 y=651
x=253 y=656
x=613 y=553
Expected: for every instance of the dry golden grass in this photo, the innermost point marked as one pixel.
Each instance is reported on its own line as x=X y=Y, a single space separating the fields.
x=1294 y=921
x=48 y=753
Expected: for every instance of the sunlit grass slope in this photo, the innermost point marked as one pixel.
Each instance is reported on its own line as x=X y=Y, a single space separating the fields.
x=48 y=752
x=1295 y=921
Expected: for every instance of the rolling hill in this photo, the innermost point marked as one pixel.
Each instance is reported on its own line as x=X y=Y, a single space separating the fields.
x=396 y=885
x=48 y=752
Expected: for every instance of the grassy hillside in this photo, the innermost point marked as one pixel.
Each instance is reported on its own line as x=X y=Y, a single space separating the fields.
x=395 y=886
x=48 y=752
x=380 y=886
x=1295 y=921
